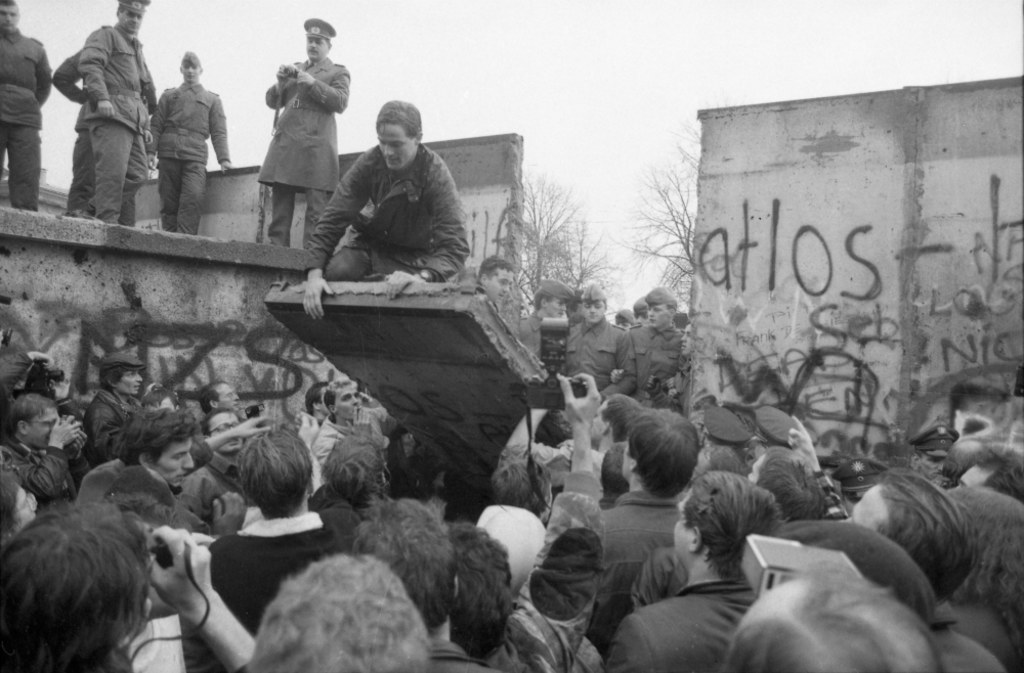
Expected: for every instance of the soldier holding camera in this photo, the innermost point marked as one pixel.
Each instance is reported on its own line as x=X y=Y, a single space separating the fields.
x=601 y=349
x=658 y=349
x=303 y=155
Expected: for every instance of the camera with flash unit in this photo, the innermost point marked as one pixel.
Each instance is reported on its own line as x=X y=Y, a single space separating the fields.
x=547 y=393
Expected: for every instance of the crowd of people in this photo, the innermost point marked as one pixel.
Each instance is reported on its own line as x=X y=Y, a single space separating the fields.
x=615 y=537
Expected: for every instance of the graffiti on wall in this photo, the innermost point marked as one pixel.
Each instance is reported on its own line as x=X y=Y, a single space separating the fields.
x=807 y=318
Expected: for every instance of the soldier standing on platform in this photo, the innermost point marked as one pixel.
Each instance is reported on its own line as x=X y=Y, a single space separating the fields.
x=303 y=155
x=118 y=84
x=24 y=87
x=601 y=349
x=185 y=117
x=657 y=346
x=65 y=80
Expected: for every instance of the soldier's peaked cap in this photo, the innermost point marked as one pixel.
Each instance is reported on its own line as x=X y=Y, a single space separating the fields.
x=319 y=28
x=556 y=289
x=135 y=5
x=725 y=427
x=775 y=424
x=935 y=440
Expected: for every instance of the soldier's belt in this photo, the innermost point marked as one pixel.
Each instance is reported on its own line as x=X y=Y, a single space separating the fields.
x=118 y=91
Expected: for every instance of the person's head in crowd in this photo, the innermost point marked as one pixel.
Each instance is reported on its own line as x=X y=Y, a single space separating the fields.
x=913 y=512
x=483 y=601
x=343 y=614
x=618 y=411
x=553 y=299
x=219 y=421
x=160 y=440
x=661 y=308
x=594 y=303
x=137 y=480
x=513 y=486
x=1000 y=470
x=74 y=586
x=219 y=395
x=356 y=473
x=121 y=373
x=797 y=493
x=343 y=400
x=830 y=622
x=855 y=476
x=718 y=512
x=399 y=132
x=718 y=458
x=410 y=537
x=613 y=483
x=520 y=532
x=625 y=318
x=150 y=508
x=315 y=406
x=276 y=471
x=640 y=311
x=496 y=277
x=17 y=506
x=661 y=454
x=32 y=419
x=159 y=397
x=875 y=556
x=997 y=577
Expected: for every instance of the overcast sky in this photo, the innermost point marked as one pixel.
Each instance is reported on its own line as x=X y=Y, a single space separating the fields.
x=597 y=88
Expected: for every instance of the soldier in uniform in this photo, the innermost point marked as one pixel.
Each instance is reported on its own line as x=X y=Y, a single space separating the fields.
x=185 y=117
x=65 y=80
x=657 y=348
x=119 y=87
x=303 y=155
x=599 y=348
x=24 y=87
x=931 y=446
x=551 y=301
x=640 y=311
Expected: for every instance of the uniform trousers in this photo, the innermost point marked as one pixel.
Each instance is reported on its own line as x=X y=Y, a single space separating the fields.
x=21 y=143
x=120 y=164
x=283 y=202
x=182 y=187
x=83 y=177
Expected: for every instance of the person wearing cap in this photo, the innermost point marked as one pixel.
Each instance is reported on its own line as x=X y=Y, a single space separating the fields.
x=855 y=476
x=122 y=96
x=657 y=348
x=551 y=300
x=402 y=202
x=185 y=117
x=303 y=154
x=24 y=87
x=625 y=319
x=598 y=348
x=640 y=311
x=931 y=446
x=116 y=401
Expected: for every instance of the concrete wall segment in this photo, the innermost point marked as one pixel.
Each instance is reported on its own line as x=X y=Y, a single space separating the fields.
x=824 y=229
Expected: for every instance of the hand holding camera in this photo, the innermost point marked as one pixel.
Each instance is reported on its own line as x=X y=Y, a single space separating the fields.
x=287 y=71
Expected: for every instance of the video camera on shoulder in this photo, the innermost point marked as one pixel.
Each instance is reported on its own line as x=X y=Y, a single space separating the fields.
x=547 y=394
x=42 y=380
x=771 y=561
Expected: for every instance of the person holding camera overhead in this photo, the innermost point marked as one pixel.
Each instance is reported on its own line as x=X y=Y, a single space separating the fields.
x=303 y=154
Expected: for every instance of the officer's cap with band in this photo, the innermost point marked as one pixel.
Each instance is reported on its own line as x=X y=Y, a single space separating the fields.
x=935 y=441
x=319 y=28
x=135 y=5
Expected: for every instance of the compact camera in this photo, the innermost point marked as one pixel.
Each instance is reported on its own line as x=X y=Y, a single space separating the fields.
x=547 y=393
x=254 y=410
x=771 y=561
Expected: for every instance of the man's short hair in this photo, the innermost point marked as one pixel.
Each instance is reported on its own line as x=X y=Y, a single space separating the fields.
x=208 y=395
x=356 y=475
x=725 y=508
x=206 y=425
x=403 y=114
x=721 y=458
x=74 y=586
x=483 y=602
x=344 y=614
x=618 y=412
x=664 y=447
x=156 y=396
x=512 y=485
x=315 y=394
x=832 y=624
x=29 y=407
x=411 y=538
x=930 y=526
x=150 y=431
x=798 y=495
x=612 y=481
x=275 y=471
x=493 y=265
